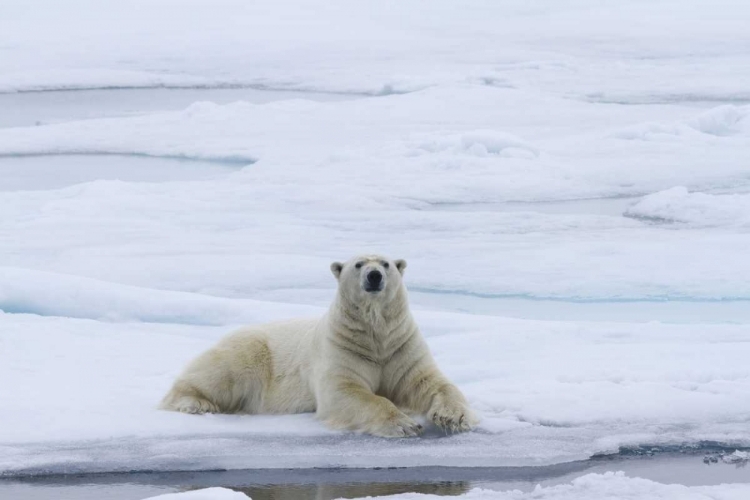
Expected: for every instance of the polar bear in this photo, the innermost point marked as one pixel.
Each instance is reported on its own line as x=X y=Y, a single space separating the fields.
x=363 y=366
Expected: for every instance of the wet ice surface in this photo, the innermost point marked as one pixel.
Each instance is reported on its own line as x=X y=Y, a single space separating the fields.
x=329 y=484
x=698 y=100
x=666 y=311
x=43 y=172
x=24 y=109
x=596 y=206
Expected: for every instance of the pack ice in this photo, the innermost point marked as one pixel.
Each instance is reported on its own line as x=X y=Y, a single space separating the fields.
x=569 y=181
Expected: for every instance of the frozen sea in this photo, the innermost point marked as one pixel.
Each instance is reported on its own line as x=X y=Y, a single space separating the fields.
x=569 y=181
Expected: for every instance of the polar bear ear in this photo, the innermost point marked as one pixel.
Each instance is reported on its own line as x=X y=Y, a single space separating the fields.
x=336 y=268
x=400 y=265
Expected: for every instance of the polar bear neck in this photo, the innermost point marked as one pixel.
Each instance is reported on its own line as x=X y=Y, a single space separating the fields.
x=375 y=317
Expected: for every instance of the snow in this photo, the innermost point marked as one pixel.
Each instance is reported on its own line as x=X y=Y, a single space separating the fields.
x=568 y=180
x=204 y=494
x=613 y=486
x=25 y=291
x=622 y=385
x=701 y=209
x=738 y=457
x=612 y=51
x=720 y=121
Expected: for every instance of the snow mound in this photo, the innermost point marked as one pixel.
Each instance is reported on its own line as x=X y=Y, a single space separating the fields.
x=203 y=494
x=52 y=294
x=481 y=143
x=653 y=131
x=726 y=120
x=680 y=205
x=611 y=485
x=722 y=120
x=738 y=457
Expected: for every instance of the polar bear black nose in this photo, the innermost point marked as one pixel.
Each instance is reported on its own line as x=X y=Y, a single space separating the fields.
x=374 y=278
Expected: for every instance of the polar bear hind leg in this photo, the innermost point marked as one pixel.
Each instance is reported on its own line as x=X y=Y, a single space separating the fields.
x=233 y=377
x=187 y=399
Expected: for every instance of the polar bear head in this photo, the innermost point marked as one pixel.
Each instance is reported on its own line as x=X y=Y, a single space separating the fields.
x=369 y=277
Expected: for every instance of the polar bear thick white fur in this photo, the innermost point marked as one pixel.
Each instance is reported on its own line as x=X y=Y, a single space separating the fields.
x=363 y=366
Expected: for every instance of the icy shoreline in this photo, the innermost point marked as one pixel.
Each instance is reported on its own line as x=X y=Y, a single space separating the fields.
x=537 y=407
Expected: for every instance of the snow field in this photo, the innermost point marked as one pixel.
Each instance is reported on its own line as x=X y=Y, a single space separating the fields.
x=573 y=153
x=621 y=385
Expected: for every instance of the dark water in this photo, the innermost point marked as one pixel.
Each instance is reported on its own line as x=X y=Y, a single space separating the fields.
x=328 y=484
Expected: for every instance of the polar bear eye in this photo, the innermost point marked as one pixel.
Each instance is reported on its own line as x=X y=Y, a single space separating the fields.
x=386 y=265
x=358 y=265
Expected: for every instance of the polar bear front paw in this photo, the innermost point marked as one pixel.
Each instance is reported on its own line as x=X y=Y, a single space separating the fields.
x=398 y=426
x=453 y=417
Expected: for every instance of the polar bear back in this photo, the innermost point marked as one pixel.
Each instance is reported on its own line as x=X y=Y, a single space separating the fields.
x=291 y=345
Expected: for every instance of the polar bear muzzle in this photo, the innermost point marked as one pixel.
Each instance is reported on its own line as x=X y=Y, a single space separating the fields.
x=374 y=281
